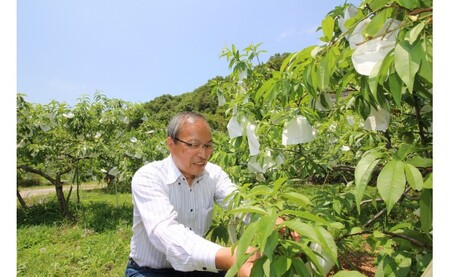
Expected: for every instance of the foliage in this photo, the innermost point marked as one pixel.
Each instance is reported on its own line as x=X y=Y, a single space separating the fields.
x=374 y=66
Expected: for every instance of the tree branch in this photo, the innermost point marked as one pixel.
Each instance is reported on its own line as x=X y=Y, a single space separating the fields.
x=380 y=213
x=402 y=236
x=419 y=11
x=36 y=171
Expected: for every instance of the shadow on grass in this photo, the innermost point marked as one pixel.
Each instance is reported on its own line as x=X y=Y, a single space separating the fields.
x=98 y=216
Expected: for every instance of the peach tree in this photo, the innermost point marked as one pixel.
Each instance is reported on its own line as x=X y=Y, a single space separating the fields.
x=96 y=138
x=356 y=110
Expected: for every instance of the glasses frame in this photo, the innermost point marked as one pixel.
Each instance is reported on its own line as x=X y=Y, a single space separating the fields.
x=194 y=146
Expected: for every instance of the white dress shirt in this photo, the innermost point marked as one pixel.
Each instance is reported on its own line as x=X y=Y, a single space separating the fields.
x=170 y=217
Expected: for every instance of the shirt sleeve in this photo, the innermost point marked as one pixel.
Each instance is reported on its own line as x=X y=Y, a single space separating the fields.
x=184 y=250
x=224 y=188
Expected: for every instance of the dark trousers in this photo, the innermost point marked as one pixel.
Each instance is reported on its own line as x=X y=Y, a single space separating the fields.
x=134 y=270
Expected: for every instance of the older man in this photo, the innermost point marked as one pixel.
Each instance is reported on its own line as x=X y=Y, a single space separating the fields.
x=173 y=202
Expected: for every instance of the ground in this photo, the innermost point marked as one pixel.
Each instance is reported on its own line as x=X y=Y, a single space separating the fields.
x=26 y=192
x=363 y=263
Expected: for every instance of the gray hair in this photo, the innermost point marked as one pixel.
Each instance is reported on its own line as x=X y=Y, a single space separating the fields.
x=179 y=120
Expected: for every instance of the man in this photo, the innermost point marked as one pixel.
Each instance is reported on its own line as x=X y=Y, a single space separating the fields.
x=173 y=202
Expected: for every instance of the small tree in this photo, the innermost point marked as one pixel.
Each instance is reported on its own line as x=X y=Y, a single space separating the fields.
x=374 y=69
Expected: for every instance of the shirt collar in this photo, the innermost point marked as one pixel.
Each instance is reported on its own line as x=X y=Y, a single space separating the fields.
x=173 y=173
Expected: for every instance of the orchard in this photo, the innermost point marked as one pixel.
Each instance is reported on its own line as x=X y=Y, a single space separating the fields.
x=354 y=112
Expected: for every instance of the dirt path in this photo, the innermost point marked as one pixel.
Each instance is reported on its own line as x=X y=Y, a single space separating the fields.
x=26 y=193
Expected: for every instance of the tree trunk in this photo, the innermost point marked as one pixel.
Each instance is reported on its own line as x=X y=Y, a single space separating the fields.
x=21 y=201
x=63 y=204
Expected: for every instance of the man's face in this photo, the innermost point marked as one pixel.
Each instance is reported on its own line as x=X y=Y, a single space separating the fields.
x=191 y=160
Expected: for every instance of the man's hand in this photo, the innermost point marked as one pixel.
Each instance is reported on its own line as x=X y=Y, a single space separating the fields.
x=294 y=235
x=246 y=268
x=226 y=258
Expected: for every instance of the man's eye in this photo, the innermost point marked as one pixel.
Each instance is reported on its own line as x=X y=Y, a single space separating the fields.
x=195 y=145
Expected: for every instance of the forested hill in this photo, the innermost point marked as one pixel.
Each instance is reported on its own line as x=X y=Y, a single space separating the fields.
x=202 y=100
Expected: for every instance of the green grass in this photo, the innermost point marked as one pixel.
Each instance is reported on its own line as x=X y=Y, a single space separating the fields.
x=97 y=245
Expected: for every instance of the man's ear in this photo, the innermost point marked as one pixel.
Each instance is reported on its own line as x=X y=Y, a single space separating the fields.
x=169 y=142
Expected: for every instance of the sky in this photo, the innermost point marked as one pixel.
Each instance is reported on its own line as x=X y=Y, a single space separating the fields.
x=138 y=50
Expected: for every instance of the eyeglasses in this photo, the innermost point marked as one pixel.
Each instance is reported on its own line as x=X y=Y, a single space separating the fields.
x=194 y=146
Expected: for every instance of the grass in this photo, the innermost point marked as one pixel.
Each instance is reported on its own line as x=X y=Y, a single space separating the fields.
x=98 y=245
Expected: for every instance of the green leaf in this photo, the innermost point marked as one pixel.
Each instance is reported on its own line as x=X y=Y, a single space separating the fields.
x=306 y=215
x=265 y=89
x=326 y=68
x=348 y=77
x=347 y=273
x=428 y=184
x=314 y=80
x=365 y=91
x=300 y=267
x=245 y=241
x=281 y=265
x=297 y=198
x=277 y=184
x=270 y=243
x=403 y=225
x=426 y=63
x=244 y=209
x=308 y=80
x=404 y=150
x=356 y=230
x=363 y=174
x=378 y=22
x=297 y=58
x=273 y=93
x=407 y=62
x=396 y=88
x=268 y=237
x=391 y=183
x=379 y=76
x=409 y=4
x=257 y=269
x=419 y=161
x=412 y=34
x=310 y=255
x=378 y=4
x=328 y=28
x=414 y=177
x=317 y=234
x=266 y=267
x=426 y=210
x=259 y=190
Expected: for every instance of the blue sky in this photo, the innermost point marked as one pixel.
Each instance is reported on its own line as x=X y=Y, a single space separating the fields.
x=138 y=50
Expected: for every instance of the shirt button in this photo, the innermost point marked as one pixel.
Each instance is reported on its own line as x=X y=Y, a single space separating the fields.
x=192 y=210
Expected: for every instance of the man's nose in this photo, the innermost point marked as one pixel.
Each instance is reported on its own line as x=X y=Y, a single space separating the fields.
x=204 y=152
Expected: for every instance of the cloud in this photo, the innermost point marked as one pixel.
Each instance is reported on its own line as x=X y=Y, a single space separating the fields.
x=287 y=33
x=311 y=30
x=66 y=86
